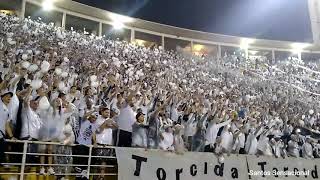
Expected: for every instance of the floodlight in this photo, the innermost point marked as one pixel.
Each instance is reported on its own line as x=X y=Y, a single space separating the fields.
x=120 y=18
x=298 y=47
x=253 y=52
x=118 y=25
x=198 y=47
x=245 y=42
x=47 y=5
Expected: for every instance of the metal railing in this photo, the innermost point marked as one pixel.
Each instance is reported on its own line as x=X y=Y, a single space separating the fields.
x=23 y=156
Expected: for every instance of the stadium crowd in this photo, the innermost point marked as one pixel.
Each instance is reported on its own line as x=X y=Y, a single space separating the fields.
x=68 y=87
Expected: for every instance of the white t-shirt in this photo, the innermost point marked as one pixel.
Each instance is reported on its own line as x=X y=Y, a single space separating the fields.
x=251 y=144
x=174 y=113
x=139 y=135
x=167 y=142
x=55 y=123
x=54 y=95
x=73 y=97
x=66 y=132
x=105 y=137
x=227 y=139
x=31 y=123
x=4 y=118
x=239 y=142
x=307 y=150
x=86 y=132
x=190 y=126
x=212 y=131
x=277 y=146
x=264 y=146
x=145 y=110
x=126 y=119
x=293 y=148
x=13 y=108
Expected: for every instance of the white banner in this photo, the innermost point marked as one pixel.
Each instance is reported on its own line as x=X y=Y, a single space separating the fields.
x=138 y=164
x=278 y=168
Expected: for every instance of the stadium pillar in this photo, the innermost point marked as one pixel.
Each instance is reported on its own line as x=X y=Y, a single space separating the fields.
x=219 y=51
x=299 y=56
x=162 y=41
x=191 y=47
x=314 y=14
x=63 y=24
x=23 y=9
x=132 y=36
x=273 y=55
x=246 y=53
x=100 y=29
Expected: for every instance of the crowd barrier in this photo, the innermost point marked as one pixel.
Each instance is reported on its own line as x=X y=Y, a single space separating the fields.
x=23 y=161
x=138 y=164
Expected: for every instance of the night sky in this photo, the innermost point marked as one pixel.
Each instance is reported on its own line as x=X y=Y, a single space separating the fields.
x=265 y=19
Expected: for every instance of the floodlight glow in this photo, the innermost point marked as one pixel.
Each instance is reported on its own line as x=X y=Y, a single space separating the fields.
x=253 y=52
x=198 y=47
x=300 y=45
x=47 y=5
x=118 y=21
x=246 y=42
x=9 y=12
x=244 y=46
x=120 y=18
x=118 y=25
x=296 y=51
x=140 y=42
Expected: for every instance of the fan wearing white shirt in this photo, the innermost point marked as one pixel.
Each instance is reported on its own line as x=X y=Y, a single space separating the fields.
x=31 y=122
x=227 y=139
x=167 y=139
x=139 y=132
x=13 y=106
x=213 y=129
x=67 y=138
x=293 y=146
x=190 y=127
x=239 y=140
x=5 y=129
x=74 y=95
x=198 y=141
x=104 y=137
x=264 y=147
x=87 y=136
x=105 y=124
x=252 y=142
x=277 y=146
x=316 y=149
x=125 y=120
x=307 y=149
x=146 y=106
x=154 y=124
x=178 y=140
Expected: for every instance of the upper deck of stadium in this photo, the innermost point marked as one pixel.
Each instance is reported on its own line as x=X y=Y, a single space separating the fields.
x=70 y=14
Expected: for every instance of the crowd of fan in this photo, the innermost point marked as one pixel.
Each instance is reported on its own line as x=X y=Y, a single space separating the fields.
x=67 y=87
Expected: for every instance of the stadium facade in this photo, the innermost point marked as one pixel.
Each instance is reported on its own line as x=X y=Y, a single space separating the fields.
x=73 y=15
